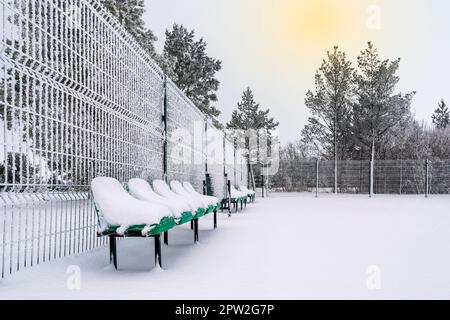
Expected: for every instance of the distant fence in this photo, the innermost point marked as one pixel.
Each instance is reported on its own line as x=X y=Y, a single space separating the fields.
x=80 y=99
x=353 y=176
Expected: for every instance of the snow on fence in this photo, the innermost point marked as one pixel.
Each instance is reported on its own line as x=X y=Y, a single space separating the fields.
x=79 y=99
x=353 y=176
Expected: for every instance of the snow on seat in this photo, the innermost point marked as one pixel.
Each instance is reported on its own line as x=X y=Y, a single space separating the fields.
x=163 y=190
x=246 y=190
x=122 y=214
x=212 y=201
x=141 y=189
x=177 y=188
x=237 y=195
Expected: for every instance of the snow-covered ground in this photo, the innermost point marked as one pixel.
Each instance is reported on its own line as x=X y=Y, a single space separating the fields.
x=288 y=246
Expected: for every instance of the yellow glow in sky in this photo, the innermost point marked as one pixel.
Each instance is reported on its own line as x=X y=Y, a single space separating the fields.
x=315 y=24
x=312 y=21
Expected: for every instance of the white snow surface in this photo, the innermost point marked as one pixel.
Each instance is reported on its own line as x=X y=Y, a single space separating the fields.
x=140 y=189
x=118 y=207
x=208 y=199
x=283 y=247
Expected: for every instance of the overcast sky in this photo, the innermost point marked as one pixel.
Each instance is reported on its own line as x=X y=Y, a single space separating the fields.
x=275 y=46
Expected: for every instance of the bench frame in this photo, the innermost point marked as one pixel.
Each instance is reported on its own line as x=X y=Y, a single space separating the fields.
x=113 y=247
x=157 y=238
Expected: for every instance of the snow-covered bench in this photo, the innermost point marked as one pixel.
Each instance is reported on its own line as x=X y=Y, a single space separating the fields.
x=238 y=197
x=213 y=203
x=251 y=193
x=197 y=207
x=181 y=210
x=121 y=215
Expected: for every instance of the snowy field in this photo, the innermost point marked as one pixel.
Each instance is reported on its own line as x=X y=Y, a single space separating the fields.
x=288 y=246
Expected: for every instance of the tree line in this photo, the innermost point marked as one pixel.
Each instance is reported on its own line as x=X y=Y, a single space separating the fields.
x=357 y=113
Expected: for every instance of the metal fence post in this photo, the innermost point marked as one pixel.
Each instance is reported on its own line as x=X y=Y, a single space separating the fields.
x=371 y=178
x=335 y=175
x=234 y=160
x=262 y=181
x=229 y=196
x=426 y=178
x=205 y=141
x=317 y=178
x=401 y=176
x=165 y=129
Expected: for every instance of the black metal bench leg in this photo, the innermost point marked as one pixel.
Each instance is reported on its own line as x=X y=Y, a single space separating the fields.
x=195 y=230
x=237 y=206
x=158 y=250
x=166 y=238
x=242 y=204
x=192 y=224
x=113 y=250
x=215 y=219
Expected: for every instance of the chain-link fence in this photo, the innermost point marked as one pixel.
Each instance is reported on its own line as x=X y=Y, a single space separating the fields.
x=79 y=98
x=353 y=176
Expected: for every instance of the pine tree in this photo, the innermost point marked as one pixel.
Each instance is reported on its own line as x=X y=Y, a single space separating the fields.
x=441 y=116
x=130 y=15
x=250 y=116
x=192 y=70
x=377 y=109
x=329 y=104
x=249 y=119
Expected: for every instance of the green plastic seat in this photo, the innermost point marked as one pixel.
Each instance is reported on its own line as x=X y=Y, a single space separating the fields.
x=185 y=217
x=210 y=209
x=165 y=224
x=200 y=213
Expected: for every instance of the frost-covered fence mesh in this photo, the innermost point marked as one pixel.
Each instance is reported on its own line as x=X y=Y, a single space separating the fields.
x=353 y=176
x=230 y=161
x=215 y=161
x=186 y=129
x=239 y=167
x=439 y=176
x=326 y=175
x=410 y=176
x=79 y=98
